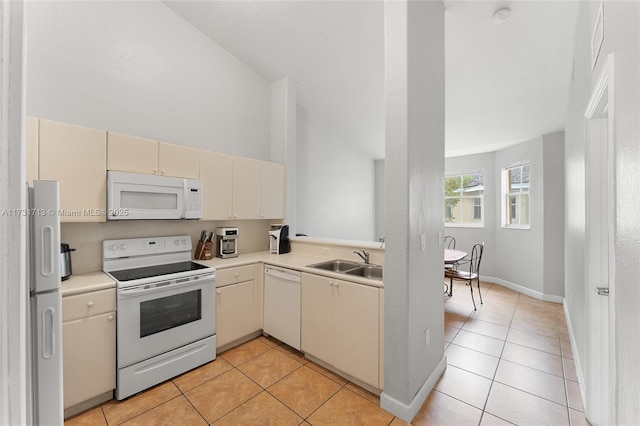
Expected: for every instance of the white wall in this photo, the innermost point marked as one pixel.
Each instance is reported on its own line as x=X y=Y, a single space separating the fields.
x=138 y=68
x=622 y=36
x=335 y=183
x=519 y=252
x=467 y=237
x=530 y=260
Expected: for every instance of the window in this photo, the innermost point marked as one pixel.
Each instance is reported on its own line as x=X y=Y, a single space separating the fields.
x=515 y=196
x=463 y=199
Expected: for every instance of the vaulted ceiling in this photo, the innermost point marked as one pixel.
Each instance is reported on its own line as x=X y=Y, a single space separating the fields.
x=506 y=82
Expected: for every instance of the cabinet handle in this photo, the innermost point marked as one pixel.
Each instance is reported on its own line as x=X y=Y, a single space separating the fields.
x=229 y=216
x=161 y=172
x=336 y=285
x=331 y=283
x=90 y=304
x=110 y=317
x=237 y=275
x=155 y=171
x=218 y=291
x=235 y=216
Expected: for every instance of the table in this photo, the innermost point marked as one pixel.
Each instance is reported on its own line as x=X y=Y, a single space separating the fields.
x=452 y=257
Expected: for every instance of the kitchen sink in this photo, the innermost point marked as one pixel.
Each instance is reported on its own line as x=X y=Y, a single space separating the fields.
x=335 y=265
x=373 y=272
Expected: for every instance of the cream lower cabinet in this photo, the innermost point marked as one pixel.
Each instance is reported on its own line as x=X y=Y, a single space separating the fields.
x=235 y=304
x=341 y=326
x=89 y=345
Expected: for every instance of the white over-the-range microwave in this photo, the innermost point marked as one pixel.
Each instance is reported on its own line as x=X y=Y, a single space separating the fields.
x=136 y=196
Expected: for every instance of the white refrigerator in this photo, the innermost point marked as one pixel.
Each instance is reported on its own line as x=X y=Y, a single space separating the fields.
x=45 y=306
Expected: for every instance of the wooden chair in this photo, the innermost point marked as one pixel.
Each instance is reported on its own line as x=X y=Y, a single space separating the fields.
x=469 y=277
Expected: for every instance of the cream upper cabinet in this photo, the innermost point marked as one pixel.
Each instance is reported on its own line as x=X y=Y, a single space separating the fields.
x=271 y=190
x=216 y=175
x=32 y=131
x=178 y=160
x=340 y=325
x=132 y=154
x=77 y=158
x=246 y=188
x=138 y=155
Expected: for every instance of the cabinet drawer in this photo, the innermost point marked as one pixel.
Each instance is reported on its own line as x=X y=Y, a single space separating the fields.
x=88 y=304
x=234 y=275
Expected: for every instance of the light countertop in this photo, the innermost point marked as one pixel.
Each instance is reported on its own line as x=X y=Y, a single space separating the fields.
x=93 y=281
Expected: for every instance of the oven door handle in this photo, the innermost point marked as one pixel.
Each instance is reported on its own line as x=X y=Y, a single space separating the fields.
x=166 y=285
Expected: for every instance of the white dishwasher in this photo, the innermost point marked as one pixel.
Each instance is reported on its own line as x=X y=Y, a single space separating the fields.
x=282 y=305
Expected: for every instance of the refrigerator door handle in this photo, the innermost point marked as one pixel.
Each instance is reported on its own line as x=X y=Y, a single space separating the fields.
x=48 y=251
x=48 y=337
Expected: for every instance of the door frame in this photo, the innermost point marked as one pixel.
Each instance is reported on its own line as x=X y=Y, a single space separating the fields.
x=599 y=127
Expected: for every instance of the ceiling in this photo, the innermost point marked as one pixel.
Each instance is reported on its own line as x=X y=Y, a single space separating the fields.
x=505 y=82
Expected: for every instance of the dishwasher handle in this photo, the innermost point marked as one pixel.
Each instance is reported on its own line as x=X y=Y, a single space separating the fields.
x=283 y=274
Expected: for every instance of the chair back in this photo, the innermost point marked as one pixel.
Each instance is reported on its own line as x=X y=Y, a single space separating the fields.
x=450 y=242
x=476 y=258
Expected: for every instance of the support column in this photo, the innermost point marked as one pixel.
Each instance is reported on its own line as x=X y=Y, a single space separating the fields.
x=283 y=141
x=414 y=306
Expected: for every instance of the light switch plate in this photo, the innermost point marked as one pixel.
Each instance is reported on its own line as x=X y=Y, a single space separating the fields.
x=423 y=242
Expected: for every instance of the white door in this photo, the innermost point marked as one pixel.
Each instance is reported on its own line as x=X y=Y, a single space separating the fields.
x=599 y=250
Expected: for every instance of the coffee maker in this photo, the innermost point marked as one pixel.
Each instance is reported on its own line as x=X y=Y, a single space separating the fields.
x=279 y=239
x=226 y=242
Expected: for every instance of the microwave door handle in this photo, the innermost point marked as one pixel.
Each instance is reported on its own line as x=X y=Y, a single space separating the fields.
x=185 y=198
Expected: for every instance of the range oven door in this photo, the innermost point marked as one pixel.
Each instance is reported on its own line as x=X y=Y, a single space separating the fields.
x=156 y=318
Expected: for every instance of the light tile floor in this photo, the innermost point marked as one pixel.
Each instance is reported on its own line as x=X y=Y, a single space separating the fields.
x=509 y=362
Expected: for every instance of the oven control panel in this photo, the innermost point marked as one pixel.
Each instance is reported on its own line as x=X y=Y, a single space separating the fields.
x=145 y=246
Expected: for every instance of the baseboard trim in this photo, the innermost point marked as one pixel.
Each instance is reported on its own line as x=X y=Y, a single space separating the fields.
x=524 y=290
x=408 y=411
x=576 y=355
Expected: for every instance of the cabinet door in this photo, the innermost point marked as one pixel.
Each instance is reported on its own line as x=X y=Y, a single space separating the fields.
x=178 y=161
x=357 y=313
x=271 y=190
x=317 y=317
x=132 y=154
x=32 y=131
x=216 y=175
x=246 y=188
x=234 y=312
x=89 y=357
x=77 y=158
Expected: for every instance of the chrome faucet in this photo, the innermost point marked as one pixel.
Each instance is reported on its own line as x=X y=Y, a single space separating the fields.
x=363 y=254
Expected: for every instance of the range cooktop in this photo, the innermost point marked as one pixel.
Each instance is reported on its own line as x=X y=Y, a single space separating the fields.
x=155 y=271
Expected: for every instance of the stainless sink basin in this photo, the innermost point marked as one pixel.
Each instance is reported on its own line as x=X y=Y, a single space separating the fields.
x=372 y=272
x=335 y=265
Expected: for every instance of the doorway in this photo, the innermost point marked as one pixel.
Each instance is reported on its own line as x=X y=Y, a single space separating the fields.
x=600 y=253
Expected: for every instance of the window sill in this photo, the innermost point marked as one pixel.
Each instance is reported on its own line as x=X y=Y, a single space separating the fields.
x=463 y=225
x=517 y=227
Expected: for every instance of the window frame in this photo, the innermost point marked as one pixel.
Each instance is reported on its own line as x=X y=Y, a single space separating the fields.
x=479 y=224
x=508 y=198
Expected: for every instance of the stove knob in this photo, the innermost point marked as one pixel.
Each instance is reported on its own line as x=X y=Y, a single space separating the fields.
x=113 y=247
x=122 y=246
x=177 y=242
x=184 y=241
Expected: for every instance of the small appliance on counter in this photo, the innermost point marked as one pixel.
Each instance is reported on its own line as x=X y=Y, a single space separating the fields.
x=279 y=239
x=226 y=242
x=65 y=261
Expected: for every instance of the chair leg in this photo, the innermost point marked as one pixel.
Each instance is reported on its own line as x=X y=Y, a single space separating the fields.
x=450 y=286
x=472 y=299
x=479 y=292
